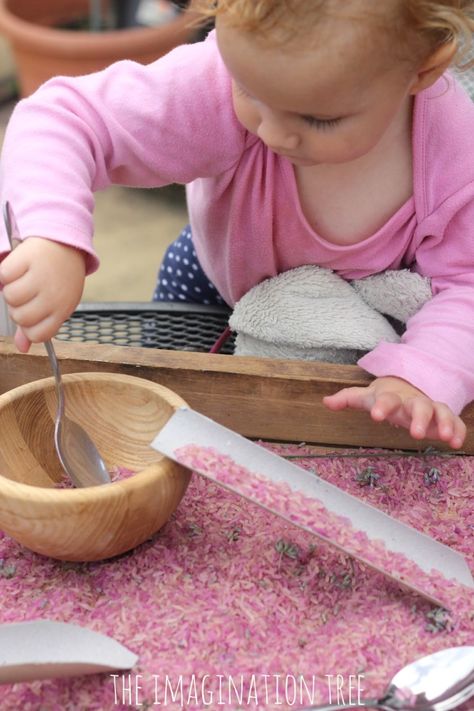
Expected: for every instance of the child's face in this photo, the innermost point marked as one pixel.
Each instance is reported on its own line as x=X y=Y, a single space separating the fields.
x=327 y=103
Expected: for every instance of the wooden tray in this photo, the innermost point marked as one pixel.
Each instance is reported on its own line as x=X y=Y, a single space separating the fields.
x=260 y=398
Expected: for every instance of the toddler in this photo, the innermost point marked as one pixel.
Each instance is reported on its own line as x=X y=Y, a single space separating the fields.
x=323 y=132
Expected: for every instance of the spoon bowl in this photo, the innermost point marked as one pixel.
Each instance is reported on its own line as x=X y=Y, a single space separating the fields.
x=434 y=682
x=438 y=682
x=76 y=451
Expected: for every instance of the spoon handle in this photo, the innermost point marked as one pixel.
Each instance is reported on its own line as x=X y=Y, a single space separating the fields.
x=8 y=324
x=57 y=377
x=14 y=239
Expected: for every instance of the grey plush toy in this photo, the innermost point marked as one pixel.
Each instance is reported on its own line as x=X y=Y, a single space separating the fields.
x=311 y=313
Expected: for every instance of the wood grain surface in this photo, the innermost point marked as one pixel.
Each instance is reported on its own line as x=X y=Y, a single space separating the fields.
x=260 y=398
x=122 y=414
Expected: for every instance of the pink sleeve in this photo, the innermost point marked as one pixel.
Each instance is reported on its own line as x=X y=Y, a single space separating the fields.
x=437 y=350
x=170 y=121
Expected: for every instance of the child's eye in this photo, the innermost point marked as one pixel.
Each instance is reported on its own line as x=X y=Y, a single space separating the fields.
x=321 y=123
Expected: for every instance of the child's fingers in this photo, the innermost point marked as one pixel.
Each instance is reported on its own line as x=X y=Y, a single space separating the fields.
x=444 y=421
x=20 y=291
x=386 y=404
x=13 y=267
x=417 y=413
x=31 y=313
x=420 y=411
x=21 y=341
x=337 y=401
x=450 y=427
x=459 y=434
x=42 y=331
x=357 y=398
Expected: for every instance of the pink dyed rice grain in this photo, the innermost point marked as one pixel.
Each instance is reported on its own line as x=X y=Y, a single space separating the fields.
x=311 y=514
x=229 y=588
x=116 y=474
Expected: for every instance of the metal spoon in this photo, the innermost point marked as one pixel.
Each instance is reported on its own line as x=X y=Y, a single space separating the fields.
x=438 y=682
x=76 y=451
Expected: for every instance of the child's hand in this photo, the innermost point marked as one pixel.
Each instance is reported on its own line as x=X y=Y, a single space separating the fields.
x=401 y=404
x=43 y=282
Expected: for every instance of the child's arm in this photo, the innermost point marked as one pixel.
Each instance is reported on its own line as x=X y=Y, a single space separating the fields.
x=426 y=380
x=145 y=126
x=396 y=401
x=434 y=363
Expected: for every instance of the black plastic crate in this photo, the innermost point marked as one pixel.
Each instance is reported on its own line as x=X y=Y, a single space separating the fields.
x=177 y=327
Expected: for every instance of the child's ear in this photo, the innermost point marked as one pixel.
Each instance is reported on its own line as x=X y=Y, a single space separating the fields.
x=434 y=66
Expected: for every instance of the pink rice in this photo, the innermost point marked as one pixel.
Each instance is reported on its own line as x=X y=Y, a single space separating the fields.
x=310 y=513
x=227 y=589
x=116 y=474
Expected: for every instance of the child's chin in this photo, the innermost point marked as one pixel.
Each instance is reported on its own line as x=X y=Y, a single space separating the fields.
x=303 y=162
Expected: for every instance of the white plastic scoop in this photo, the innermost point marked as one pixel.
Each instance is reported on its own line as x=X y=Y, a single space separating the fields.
x=45 y=649
x=359 y=529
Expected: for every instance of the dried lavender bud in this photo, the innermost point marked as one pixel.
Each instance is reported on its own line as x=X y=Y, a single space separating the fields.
x=7 y=570
x=287 y=548
x=233 y=534
x=367 y=477
x=438 y=620
x=194 y=530
x=432 y=476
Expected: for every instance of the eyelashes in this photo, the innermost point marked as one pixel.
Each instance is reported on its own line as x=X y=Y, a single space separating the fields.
x=312 y=121
x=321 y=124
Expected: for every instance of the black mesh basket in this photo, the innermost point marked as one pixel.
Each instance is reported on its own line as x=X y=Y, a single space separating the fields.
x=178 y=327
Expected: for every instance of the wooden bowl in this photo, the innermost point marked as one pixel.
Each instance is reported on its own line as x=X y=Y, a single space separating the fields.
x=122 y=414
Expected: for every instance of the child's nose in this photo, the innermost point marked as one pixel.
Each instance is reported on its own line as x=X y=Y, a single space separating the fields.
x=276 y=135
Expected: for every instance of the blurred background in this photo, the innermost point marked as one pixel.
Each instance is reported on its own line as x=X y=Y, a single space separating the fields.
x=133 y=227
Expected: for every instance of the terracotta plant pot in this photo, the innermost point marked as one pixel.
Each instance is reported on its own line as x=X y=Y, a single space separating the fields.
x=42 y=51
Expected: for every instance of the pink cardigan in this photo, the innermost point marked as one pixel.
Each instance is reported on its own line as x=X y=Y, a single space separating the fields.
x=173 y=121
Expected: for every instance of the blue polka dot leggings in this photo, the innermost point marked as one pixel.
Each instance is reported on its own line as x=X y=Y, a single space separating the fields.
x=181 y=277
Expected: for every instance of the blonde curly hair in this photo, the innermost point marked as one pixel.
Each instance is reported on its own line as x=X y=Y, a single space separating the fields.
x=420 y=26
